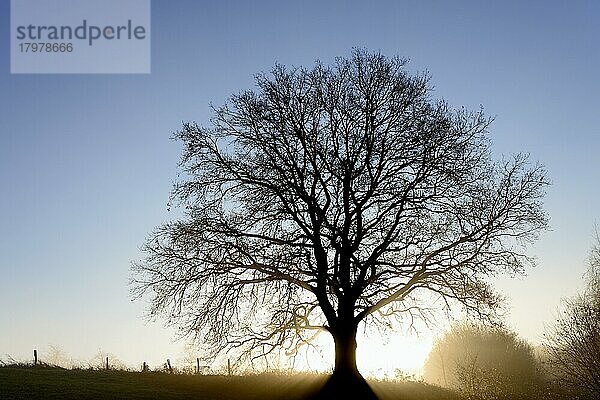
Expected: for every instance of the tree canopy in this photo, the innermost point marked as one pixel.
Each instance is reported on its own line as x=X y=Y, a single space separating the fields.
x=331 y=196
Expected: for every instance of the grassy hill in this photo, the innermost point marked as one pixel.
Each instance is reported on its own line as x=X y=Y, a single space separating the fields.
x=26 y=382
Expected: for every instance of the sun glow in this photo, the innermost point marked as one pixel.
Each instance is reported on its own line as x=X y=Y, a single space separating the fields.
x=389 y=356
x=392 y=357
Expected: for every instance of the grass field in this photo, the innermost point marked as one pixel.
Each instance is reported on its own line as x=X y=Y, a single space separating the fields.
x=26 y=382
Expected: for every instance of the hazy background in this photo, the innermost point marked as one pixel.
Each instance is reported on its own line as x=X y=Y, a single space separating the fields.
x=86 y=163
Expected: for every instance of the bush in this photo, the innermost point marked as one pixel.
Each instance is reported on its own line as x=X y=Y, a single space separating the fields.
x=484 y=362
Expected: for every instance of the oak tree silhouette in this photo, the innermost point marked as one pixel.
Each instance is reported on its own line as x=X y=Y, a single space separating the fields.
x=334 y=196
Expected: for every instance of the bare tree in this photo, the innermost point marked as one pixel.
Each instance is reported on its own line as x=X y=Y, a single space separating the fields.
x=333 y=196
x=573 y=342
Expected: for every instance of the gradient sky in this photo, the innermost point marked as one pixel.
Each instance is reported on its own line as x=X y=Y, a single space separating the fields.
x=86 y=161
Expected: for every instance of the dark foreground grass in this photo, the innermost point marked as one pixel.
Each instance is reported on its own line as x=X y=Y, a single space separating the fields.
x=26 y=382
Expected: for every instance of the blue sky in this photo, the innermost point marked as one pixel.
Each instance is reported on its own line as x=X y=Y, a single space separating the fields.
x=86 y=161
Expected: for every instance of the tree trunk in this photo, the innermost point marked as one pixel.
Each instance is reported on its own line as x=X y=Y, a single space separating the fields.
x=345 y=378
x=345 y=352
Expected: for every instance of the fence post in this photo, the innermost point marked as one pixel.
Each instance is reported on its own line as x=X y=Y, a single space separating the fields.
x=106 y=363
x=34 y=357
x=197 y=365
x=169 y=365
x=228 y=367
